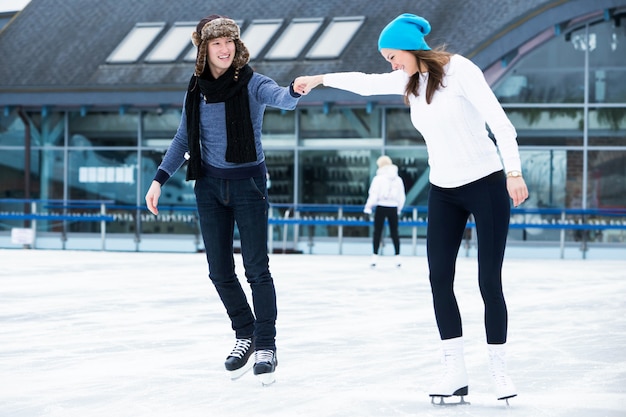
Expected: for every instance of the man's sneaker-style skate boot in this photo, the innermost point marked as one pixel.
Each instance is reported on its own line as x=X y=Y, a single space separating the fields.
x=504 y=386
x=454 y=380
x=237 y=362
x=265 y=363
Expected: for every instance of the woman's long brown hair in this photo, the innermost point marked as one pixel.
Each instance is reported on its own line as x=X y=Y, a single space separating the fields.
x=434 y=61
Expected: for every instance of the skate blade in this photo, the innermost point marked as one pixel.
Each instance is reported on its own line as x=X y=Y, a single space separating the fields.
x=506 y=399
x=442 y=403
x=267 y=379
x=461 y=393
x=238 y=373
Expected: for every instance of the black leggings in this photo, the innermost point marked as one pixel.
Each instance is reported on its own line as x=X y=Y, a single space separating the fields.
x=391 y=214
x=448 y=210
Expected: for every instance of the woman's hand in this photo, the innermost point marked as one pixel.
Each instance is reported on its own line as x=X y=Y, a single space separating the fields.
x=516 y=186
x=304 y=84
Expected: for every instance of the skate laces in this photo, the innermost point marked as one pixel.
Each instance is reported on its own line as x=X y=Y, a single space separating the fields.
x=449 y=362
x=241 y=347
x=498 y=368
x=263 y=356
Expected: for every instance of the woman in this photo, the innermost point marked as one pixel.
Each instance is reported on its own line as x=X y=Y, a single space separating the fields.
x=450 y=103
x=386 y=193
x=220 y=135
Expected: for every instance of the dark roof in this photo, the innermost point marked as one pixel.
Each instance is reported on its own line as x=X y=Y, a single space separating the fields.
x=54 y=52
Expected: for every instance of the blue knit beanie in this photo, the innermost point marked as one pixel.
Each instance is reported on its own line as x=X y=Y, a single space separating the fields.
x=405 y=32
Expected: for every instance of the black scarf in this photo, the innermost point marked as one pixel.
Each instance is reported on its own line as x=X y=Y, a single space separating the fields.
x=233 y=93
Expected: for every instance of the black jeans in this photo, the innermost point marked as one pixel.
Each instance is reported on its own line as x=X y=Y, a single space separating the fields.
x=448 y=210
x=221 y=203
x=391 y=214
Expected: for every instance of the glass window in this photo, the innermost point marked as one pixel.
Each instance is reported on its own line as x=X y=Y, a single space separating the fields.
x=176 y=191
x=607 y=62
x=46 y=183
x=135 y=43
x=47 y=173
x=552 y=73
x=553 y=179
x=12 y=173
x=258 y=34
x=548 y=126
x=335 y=176
x=400 y=129
x=607 y=179
x=280 y=167
x=11 y=131
x=336 y=37
x=103 y=129
x=607 y=126
x=545 y=173
x=159 y=127
x=279 y=128
x=177 y=205
x=294 y=39
x=47 y=128
x=175 y=41
x=342 y=125
x=97 y=174
x=191 y=55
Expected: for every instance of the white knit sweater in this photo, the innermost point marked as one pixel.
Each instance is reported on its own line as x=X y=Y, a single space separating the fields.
x=453 y=125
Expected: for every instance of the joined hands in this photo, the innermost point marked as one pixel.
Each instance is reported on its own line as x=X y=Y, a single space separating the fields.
x=304 y=84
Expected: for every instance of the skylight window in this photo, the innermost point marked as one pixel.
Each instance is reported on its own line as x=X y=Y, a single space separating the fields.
x=135 y=43
x=258 y=34
x=336 y=37
x=294 y=38
x=175 y=41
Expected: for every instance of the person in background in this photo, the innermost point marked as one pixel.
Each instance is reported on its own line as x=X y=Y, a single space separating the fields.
x=451 y=104
x=387 y=195
x=220 y=136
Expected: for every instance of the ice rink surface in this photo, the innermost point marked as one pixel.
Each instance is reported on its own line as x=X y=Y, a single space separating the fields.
x=120 y=334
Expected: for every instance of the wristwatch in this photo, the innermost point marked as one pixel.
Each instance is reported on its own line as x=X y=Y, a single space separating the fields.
x=513 y=174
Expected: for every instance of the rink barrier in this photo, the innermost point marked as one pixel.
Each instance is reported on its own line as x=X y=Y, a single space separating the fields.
x=352 y=216
x=287 y=216
x=56 y=211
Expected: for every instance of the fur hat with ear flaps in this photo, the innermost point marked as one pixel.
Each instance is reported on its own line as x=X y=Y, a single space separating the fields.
x=216 y=26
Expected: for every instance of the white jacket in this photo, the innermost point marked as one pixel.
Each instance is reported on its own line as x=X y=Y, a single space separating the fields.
x=386 y=189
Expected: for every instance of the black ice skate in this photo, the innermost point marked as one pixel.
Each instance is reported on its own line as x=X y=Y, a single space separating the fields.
x=265 y=364
x=237 y=362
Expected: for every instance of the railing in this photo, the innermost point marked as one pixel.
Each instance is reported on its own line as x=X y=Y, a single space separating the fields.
x=290 y=218
x=564 y=219
x=56 y=210
x=65 y=213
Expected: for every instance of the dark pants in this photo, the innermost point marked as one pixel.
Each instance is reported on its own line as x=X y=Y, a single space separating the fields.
x=448 y=210
x=221 y=203
x=391 y=214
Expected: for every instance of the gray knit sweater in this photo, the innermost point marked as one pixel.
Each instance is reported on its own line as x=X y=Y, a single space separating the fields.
x=262 y=91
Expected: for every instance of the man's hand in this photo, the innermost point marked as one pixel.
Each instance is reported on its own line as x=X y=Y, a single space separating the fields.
x=152 y=197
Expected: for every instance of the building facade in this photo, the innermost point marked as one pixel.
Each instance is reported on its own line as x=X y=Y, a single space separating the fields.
x=78 y=127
